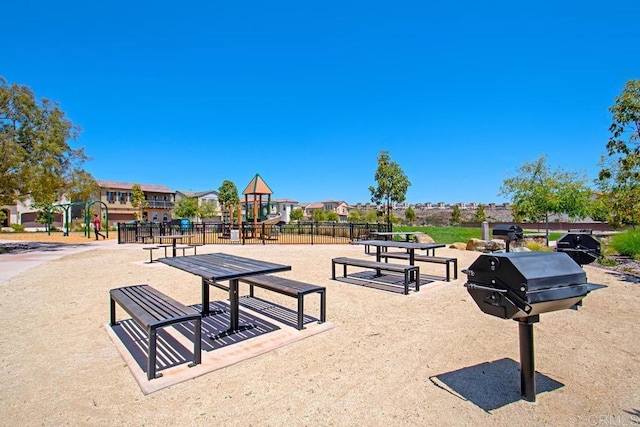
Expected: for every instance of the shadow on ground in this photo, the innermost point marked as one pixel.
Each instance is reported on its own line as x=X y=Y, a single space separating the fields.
x=490 y=385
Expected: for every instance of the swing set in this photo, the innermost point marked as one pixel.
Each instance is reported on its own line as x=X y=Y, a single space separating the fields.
x=66 y=207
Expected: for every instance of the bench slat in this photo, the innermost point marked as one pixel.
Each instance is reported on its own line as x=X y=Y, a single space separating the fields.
x=400 y=268
x=411 y=272
x=426 y=258
x=152 y=310
x=290 y=288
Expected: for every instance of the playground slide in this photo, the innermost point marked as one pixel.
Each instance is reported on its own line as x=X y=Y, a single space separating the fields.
x=272 y=221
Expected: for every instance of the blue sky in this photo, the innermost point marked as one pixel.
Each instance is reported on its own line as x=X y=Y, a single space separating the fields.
x=188 y=94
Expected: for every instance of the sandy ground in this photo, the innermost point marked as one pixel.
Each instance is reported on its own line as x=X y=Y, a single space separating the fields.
x=428 y=358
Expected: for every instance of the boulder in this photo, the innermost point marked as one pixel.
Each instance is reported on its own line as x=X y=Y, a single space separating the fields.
x=423 y=238
x=458 y=245
x=476 y=245
x=495 y=245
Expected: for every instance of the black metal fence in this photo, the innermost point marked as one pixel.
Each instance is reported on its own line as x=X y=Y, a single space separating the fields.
x=247 y=234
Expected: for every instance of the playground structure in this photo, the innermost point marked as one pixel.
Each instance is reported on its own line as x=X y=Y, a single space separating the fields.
x=66 y=207
x=257 y=211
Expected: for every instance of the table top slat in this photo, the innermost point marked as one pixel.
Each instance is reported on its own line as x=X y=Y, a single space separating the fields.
x=220 y=266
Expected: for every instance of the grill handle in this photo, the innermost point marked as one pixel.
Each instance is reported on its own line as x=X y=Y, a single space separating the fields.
x=470 y=285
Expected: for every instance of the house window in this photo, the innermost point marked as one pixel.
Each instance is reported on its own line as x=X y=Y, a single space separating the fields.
x=165 y=217
x=155 y=217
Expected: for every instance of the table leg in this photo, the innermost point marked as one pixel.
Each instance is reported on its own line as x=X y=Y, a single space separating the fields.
x=377 y=260
x=174 y=247
x=234 y=304
x=205 y=297
x=412 y=261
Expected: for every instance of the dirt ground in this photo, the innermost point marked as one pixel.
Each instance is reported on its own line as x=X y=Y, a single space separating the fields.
x=428 y=358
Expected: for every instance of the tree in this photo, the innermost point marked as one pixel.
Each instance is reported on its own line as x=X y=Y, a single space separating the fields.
x=354 y=216
x=186 y=207
x=297 y=214
x=372 y=216
x=410 y=215
x=392 y=183
x=138 y=202
x=207 y=210
x=456 y=217
x=619 y=177
x=228 y=197
x=479 y=216
x=332 y=216
x=319 y=215
x=37 y=161
x=81 y=186
x=536 y=192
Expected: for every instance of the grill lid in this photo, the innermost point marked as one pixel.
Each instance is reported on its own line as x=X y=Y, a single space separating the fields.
x=526 y=271
x=521 y=284
x=583 y=248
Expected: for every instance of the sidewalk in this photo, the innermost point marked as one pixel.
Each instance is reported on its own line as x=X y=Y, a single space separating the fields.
x=33 y=254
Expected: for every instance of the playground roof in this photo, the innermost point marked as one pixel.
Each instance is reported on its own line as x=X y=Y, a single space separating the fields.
x=257 y=186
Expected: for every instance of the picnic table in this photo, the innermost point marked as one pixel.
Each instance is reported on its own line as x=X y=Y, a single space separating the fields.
x=409 y=246
x=174 y=238
x=388 y=235
x=216 y=267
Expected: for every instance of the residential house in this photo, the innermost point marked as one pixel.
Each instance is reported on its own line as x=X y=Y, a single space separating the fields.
x=204 y=197
x=283 y=208
x=117 y=196
x=339 y=207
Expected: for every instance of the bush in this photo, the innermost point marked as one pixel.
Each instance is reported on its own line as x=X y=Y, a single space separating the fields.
x=627 y=243
x=18 y=227
x=537 y=246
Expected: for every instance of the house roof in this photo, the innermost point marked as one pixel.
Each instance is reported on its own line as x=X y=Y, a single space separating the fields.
x=197 y=193
x=257 y=186
x=150 y=188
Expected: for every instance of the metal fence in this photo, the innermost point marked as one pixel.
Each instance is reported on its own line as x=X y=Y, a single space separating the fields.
x=311 y=233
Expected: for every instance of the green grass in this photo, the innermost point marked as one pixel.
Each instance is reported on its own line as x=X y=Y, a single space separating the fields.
x=449 y=235
x=626 y=243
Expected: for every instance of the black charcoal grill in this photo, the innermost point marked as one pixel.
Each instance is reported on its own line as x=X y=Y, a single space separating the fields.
x=507 y=232
x=582 y=248
x=521 y=286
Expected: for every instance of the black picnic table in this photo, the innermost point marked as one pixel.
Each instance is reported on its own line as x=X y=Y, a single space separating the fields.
x=216 y=267
x=409 y=246
x=174 y=238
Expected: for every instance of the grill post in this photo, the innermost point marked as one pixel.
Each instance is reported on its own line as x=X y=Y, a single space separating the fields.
x=527 y=358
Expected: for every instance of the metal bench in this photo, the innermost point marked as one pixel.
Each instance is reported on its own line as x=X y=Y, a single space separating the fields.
x=165 y=246
x=150 y=249
x=152 y=310
x=184 y=248
x=195 y=247
x=427 y=258
x=409 y=271
x=290 y=288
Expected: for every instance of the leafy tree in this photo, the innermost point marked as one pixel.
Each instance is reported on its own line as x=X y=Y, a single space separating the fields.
x=456 y=216
x=81 y=186
x=207 y=210
x=479 y=216
x=392 y=183
x=619 y=178
x=354 y=216
x=186 y=207
x=410 y=215
x=538 y=191
x=228 y=197
x=37 y=160
x=138 y=202
x=332 y=216
x=372 y=216
x=297 y=214
x=319 y=215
